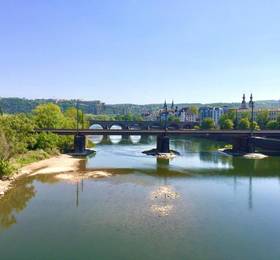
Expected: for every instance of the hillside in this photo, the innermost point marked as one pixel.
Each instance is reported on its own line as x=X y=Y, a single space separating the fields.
x=22 y=105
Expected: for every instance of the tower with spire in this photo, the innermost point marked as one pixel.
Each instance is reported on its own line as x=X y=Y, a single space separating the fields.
x=165 y=105
x=243 y=103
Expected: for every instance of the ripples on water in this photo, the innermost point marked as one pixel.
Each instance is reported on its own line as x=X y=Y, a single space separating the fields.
x=200 y=205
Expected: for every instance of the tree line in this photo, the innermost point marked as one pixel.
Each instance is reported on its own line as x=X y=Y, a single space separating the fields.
x=229 y=120
x=20 y=145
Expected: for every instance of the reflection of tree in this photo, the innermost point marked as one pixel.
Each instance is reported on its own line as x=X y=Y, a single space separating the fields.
x=14 y=201
x=195 y=145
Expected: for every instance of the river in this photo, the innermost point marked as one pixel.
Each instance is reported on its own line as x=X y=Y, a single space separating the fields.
x=200 y=205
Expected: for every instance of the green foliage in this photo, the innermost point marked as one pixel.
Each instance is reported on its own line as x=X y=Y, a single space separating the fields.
x=246 y=115
x=5 y=168
x=46 y=141
x=231 y=114
x=71 y=118
x=48 y=116
x=228 y=146
x=101 y=117
x=254 y=126
x=208 y=123
x=194 y=110
x=30 y=157
x=272 y=125
x=173 y=118
x=226 y=124
x=129 y=117
x=262 y=118
x=244 y=124
x=90 y=143
x=17 y=130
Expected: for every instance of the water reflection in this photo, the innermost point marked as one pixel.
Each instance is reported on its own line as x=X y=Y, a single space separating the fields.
x=14 y=201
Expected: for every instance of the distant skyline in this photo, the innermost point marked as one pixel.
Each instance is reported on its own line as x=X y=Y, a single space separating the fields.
x=140 y=51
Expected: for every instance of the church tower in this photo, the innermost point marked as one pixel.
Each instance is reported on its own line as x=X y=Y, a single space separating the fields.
x=243 y=103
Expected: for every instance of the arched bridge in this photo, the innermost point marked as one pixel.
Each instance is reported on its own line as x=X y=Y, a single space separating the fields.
x=144 y=125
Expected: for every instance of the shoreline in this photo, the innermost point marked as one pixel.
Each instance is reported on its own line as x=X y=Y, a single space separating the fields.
x=57 y=164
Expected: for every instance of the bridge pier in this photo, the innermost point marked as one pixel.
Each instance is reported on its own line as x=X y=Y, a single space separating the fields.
x=79 y=144
x=243 y=144
x=163 y=144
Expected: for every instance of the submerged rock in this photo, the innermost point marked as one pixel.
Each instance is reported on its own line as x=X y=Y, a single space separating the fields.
x=255 y=156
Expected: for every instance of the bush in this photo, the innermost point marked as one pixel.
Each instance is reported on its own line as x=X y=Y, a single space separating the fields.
x=273 y=124
x=5 y=168
x=208 y=123
x=244 y=124
x=46 y=141
x=226 y=124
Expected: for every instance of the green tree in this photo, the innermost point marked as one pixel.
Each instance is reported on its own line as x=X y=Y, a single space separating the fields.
x=48 y=116
x=272 y=125
x=254 y=126
x=173 y=118
x=244 y=123
x=208 y=123
x=262 y=118
x=245 y=114
x=194 y=110
x=226 y=123
x=230 y=114
x=18 y=131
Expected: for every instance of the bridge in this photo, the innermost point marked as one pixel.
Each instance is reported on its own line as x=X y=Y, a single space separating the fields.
x=242 y=140
x=144 y=125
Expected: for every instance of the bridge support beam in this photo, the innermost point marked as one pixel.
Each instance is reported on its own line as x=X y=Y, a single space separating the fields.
x=163 y=144
x=79 y=143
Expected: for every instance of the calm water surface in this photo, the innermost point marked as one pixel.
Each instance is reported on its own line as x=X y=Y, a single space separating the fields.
x=200 y=205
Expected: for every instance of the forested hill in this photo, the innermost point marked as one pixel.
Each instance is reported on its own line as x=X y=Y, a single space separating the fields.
x=22 y=105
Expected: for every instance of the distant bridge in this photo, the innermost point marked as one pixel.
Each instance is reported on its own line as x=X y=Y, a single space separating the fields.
x=144 y=125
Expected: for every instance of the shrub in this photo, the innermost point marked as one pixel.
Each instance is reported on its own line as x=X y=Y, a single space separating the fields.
x=273 y=124
x=5 y=168
x=208 y=123
x=244 y=124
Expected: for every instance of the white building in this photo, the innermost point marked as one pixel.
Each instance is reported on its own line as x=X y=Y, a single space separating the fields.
x=186 y=115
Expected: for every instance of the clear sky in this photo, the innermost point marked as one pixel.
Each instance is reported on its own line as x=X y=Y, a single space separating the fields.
x=140 y=51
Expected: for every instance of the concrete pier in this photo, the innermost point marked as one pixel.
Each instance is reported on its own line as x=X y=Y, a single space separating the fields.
x=79 y=144
x=163 y=144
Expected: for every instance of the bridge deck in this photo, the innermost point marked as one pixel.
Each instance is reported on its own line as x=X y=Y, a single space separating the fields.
x=266 y=133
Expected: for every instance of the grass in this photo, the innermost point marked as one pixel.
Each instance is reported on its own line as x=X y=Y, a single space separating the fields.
x=31 y=157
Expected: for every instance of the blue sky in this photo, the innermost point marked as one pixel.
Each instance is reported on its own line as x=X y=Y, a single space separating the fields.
x=140 y=51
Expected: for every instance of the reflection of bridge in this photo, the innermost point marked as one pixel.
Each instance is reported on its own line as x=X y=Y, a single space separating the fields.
x=144 y=125
x=242 y=140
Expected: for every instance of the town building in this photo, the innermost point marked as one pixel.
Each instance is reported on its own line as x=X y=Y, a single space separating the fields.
x=186 y=115
x=246 y=109
x=166 y=112
x=214 y=113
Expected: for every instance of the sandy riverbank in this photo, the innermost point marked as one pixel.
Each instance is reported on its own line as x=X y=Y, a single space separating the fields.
x=54 y=165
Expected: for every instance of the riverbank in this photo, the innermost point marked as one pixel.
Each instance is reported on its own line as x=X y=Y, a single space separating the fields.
x=57 y=164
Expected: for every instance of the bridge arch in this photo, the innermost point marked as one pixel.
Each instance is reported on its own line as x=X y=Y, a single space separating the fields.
x=116 y=126
x=96 y=138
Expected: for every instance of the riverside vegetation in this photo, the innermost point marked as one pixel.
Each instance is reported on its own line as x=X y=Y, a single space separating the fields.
x=20 y=146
